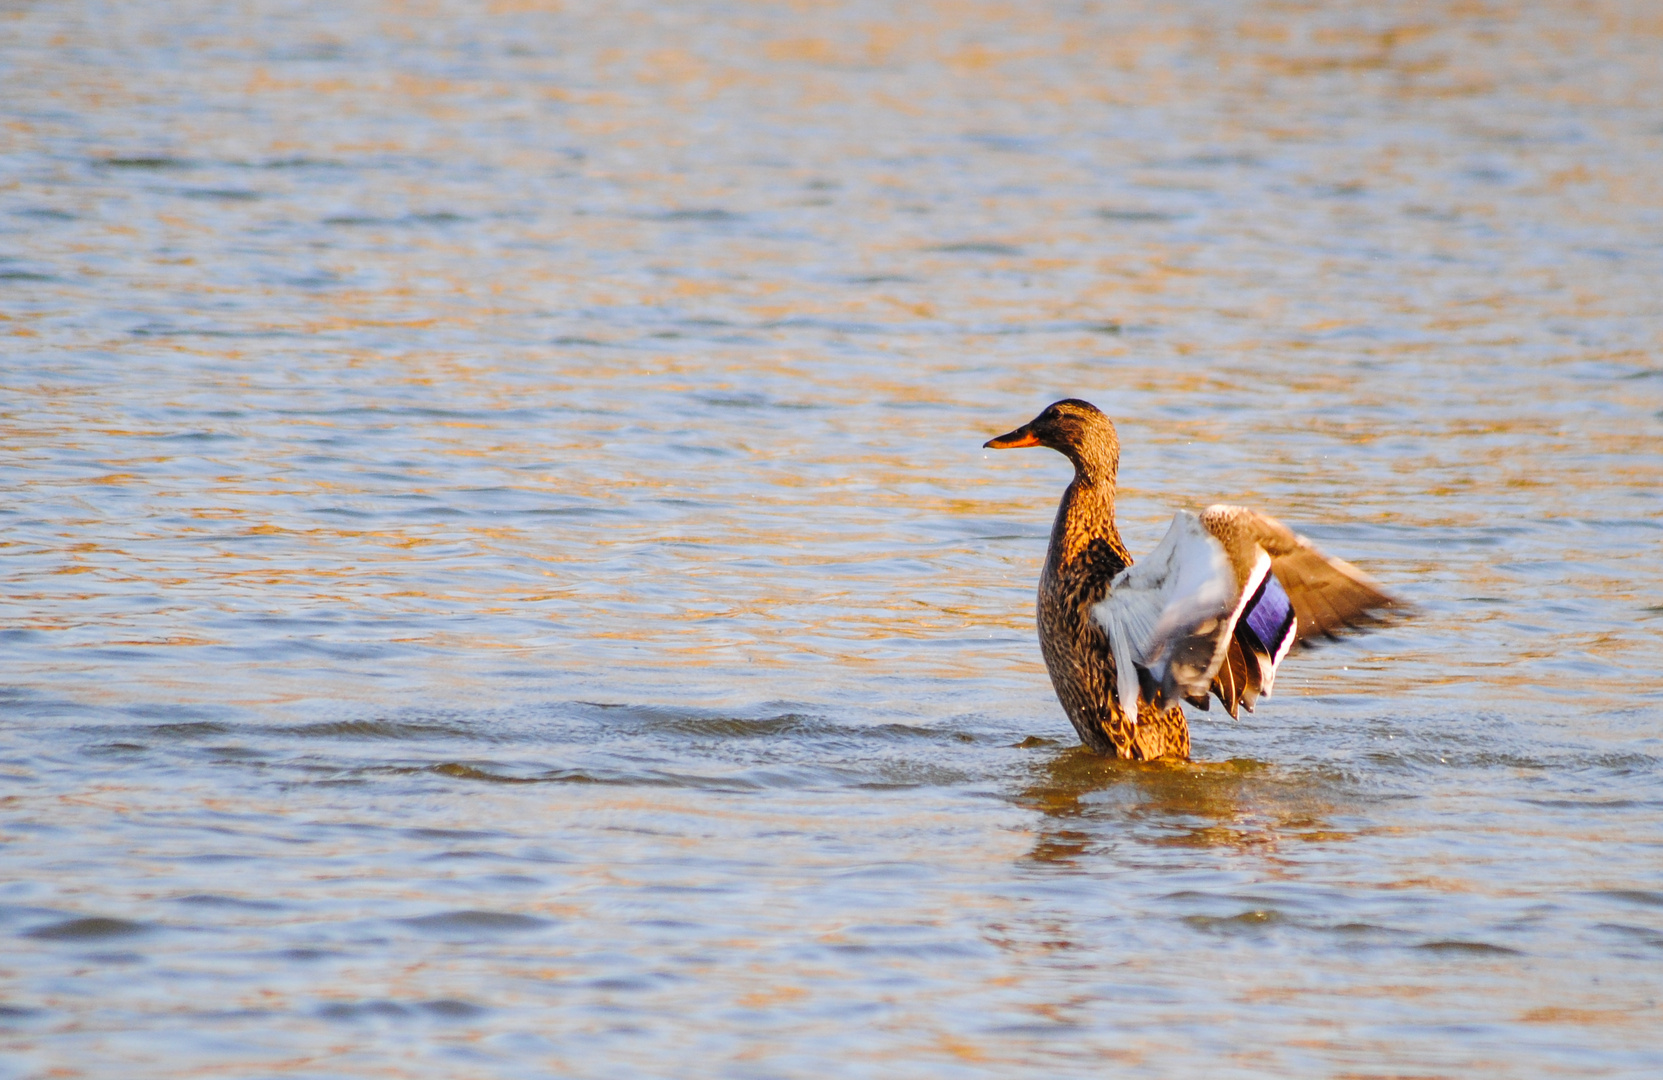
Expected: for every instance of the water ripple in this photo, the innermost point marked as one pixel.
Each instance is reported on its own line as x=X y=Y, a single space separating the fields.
x=501 y=570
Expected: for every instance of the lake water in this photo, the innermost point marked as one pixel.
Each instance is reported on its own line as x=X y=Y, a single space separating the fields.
x=501 y=580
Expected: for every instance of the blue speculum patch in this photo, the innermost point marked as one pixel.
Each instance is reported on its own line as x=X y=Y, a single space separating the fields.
x=1270 y=614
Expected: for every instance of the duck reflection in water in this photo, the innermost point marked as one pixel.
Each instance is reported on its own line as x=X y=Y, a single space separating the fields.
x=1212 y=611
x=1090 y=801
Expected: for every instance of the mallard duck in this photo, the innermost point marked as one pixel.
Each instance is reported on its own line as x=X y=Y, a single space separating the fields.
x=1214 y=608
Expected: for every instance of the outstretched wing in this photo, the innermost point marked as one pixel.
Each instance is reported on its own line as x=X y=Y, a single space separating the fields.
x=1161 y=613
x=1218 y=605
x=1307 y=595
x=1329 y=595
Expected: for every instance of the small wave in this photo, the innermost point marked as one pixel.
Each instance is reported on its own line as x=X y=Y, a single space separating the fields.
x=707 y=214
x=191 y=729
x=1468 y=948
x=222 y=194
x=294 y=163
x=439 y=217
x=364 y=1010
x=464 y=771
x=449 y=834
x=89 y=928
x=477 y=921
x=976 y=247
x=453 y=1008
x=1137 y=216
x=143 y=162
x=214 y=900
x=789 y=724
x=1643 y=897
x=1588 y=804
x=1255 y=919
x=377 y=729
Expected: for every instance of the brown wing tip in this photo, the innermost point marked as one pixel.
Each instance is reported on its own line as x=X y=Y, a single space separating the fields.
x=1387 y=610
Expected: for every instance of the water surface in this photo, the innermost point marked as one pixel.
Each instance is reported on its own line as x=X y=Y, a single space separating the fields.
x=501 y=578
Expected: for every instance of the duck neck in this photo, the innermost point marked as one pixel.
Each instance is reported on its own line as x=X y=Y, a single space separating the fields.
x=1086 y=514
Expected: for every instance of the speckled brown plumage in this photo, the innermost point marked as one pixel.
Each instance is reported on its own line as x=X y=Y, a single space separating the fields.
x=1084 y=556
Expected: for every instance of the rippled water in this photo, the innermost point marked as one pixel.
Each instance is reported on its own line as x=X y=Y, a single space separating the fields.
x=501 y=580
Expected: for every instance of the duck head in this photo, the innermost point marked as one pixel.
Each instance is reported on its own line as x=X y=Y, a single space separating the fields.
x=1075 y=429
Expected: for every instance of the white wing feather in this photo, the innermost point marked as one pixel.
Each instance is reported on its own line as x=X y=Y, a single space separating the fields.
x=1181 y=585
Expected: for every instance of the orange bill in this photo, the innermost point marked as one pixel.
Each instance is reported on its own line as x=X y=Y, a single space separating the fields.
x=1022 y=436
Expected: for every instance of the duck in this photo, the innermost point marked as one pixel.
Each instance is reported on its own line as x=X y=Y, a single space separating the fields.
x=1212 y=611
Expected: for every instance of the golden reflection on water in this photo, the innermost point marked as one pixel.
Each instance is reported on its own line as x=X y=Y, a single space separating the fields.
x=467 y=463
x=1242 y=804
